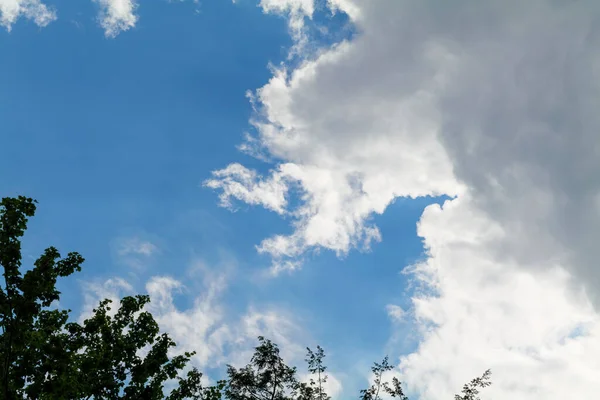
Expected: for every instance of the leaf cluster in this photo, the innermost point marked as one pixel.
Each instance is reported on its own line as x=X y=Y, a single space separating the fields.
x=44 y=356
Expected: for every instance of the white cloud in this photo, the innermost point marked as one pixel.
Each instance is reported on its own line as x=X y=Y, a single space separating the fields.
x=332 y=386
x=534 y=332
x=199 y=328
x=243 y=184
x=216 y=335
x=395 y=312
x=136 y=246
x=275 y=324
x=206 y=326
x=117 y=16
x=492 y=102
x=134 y=252
x=346 y=6
x=296 y=11
x=94 y=292
x=305 y=7
x=351 y=146
x=35 y=10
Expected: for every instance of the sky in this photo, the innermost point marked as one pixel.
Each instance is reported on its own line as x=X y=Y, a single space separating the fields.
x=410 y=178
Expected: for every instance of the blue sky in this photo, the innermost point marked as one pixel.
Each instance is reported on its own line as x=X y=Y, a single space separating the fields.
x=270 y=167
x=114 y=137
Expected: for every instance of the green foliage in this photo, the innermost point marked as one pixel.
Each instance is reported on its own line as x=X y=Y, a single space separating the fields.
x=43 y=356
x=267 y=377
x=108 y=358
x=31 y=342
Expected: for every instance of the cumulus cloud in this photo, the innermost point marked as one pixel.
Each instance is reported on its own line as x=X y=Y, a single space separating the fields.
x=530 y=327
x=35 y=10
x=117 y=16
x=493 y=104
x=350 y=147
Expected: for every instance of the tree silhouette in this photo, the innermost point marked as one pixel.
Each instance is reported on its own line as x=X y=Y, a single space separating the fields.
x=470 y=390
x=380 y=386
x=267 y=377
x=317 y=367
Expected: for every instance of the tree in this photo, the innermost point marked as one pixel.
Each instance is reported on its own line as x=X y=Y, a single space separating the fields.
x=43 y=356
x=380 y=386
x=317 y=367
x=470 y=390
x=267 y=377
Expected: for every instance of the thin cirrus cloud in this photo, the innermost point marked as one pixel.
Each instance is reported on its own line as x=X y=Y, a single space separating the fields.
x=493 y=104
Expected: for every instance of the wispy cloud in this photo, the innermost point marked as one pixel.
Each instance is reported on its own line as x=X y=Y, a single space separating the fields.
x=296 y=11
x=218 y=335
x=135 y=252
x=136 y=246
x=395 y=312
x=34 y=10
